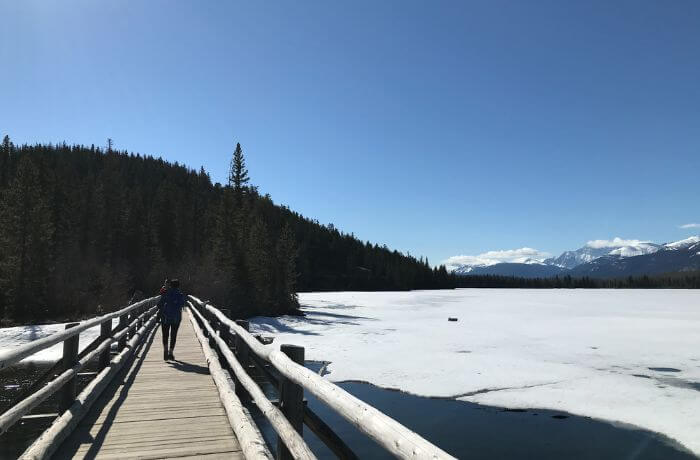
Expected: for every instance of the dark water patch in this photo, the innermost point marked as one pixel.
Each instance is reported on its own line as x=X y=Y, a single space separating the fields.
x=319 y=367
x=468 y=430
x=593 y=348
x=15 y=380
x=463 y=351
x=664 y=369
x=641 y=376
x=680 y=383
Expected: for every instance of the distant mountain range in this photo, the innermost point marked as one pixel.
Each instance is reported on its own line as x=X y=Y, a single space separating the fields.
x=602 y=260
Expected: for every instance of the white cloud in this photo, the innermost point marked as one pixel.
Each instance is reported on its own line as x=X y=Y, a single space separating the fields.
x=690 y=226
x=496 y=257
x=615 y=243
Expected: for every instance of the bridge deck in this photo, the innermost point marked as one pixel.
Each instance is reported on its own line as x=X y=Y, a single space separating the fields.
x=158 y=409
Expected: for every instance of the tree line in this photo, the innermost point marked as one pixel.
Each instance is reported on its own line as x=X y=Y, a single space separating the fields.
x=680 y=280
x=85 y=229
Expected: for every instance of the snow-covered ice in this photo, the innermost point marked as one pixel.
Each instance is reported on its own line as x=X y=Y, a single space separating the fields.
x=12 y=337
x=630 y=356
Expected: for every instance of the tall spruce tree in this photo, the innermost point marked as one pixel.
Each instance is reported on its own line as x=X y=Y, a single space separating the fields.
x=5 y=154
x=238 y=174
x=287 y=271
x=25 y=244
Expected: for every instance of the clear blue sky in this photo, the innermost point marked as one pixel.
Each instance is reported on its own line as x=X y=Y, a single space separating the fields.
x=439 y=128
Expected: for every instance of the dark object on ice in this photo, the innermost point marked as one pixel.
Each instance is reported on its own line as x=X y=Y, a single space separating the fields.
x=452 y=319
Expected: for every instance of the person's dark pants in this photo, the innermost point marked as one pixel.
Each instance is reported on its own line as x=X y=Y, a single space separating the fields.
x=169 y=330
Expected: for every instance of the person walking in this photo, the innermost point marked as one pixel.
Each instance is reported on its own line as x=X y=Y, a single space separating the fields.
x=170 y=307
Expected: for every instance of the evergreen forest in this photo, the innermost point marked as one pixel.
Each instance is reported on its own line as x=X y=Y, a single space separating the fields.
x=84 y=230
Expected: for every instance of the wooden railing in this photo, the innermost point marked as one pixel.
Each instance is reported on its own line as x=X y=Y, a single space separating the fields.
x=134 y=321
x=238 y=351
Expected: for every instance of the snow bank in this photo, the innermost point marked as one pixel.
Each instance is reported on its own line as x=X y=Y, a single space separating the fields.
x=11 y=337
x=631 y=356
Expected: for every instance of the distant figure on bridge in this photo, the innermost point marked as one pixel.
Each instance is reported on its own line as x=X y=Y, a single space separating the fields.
x=170 y=311
x=164 y=288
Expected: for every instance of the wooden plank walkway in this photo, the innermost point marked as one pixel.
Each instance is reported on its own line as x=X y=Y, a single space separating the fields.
x=158 y=409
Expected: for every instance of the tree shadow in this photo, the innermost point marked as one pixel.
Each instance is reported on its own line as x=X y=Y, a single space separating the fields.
x=337 y=315
x=317 y=318
x=273 y=325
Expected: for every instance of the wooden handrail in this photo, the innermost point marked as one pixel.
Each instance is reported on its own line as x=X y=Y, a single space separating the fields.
x=10 y=357
x=294 y=442
x=51 y=439
x=17 y=411
x=387 y=432
x=251 y=440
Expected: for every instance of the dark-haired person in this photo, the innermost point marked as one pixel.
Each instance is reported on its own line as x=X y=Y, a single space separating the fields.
x=170 y=303
x=164 y=288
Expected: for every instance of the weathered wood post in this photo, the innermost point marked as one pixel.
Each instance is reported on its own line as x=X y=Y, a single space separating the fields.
x=291 y=399
x=225 y=331
x=123 y=322
x=70 y=358
x=105 y=333
x=242 y=350
x=226 y=336
x=216 y=326
x=242 y=353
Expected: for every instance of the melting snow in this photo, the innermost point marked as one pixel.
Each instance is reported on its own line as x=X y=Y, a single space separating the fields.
x=11 y=337
x=581 y=351
x=686 y=243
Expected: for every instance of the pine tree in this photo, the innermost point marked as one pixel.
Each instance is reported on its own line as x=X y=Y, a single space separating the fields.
x=5 y=156
x=26 y=232
x=259 y=262
x=286 y=265
x=238 y=174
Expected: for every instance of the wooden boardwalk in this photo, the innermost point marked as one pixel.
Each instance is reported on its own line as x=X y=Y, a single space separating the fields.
x=158 y=409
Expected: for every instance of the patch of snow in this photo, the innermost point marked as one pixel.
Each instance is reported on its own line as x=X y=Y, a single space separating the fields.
x=11 y=337
x=465 y=264
x=682 y=244
x=631 y=251
x=616 y=242
x=580 y=351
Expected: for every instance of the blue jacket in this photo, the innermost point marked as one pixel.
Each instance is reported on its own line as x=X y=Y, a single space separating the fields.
x=170 y=306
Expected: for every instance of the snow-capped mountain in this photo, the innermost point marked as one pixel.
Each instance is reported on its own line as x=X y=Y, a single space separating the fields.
x=464 y=269
x=599 y=248
x=679 y=256
x=598 y=258
x=683 y=244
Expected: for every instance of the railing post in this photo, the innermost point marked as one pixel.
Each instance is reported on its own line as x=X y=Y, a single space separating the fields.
x=70 y=357
x=105 y=333
x=291 y=399
x=214 y=322
x=243 y=358
x=242 y=351
x=123 y=323
x=225 y=331
x=227 y=337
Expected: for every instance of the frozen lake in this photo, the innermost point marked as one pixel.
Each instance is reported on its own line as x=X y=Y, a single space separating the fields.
x=630 y=356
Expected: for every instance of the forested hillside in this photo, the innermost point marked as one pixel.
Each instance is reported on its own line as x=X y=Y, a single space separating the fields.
x=83 y=229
